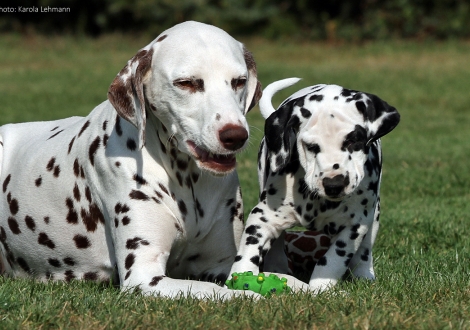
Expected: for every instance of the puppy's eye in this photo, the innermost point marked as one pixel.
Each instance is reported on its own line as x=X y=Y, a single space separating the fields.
x=352 y=145
x=313 y=147
x=192 y=85
x=238 y=83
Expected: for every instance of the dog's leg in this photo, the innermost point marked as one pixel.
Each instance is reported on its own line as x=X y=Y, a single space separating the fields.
x=259 y=235
x=145 y=248
x=334 y=264
x=362 y=264
x=276 y=259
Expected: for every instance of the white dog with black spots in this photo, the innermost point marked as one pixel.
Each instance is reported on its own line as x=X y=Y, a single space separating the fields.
x=142 y=191
x=320 y=167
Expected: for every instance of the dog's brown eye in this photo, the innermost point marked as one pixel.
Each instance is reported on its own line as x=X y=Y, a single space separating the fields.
x=192 y=85
x=183 y=83
x=238 y=83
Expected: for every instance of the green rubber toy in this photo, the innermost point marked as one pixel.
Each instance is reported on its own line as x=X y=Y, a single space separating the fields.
x=264 y=285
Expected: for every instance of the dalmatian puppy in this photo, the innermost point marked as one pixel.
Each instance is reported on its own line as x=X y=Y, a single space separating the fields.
x=143 y=191
x=320 y=168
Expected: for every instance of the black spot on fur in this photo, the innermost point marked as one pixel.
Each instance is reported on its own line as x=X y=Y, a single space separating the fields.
x=251 y=240
x=155 y=280
x=6 y=182
x=54 y=262
x=255 y=260
x=71 y=145
x=43 y=239
x=131 y=144
x=30 y=223
x=14 y=227
x=130 y=259
x=322 y=261
x=316 y=97
x=118 y=126
x=69 y=261
x=126 y=220
x=23 y=264
x=81 y=242
x=305 y=113
x=182 y=207
x=38 y=182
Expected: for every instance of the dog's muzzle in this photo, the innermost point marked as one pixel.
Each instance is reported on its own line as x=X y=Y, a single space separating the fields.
x=334 y=186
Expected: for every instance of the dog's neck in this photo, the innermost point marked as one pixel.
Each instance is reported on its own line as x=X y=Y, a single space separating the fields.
x=180 y=163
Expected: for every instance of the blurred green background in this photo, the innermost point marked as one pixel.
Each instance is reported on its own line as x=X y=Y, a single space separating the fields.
x=355 y=20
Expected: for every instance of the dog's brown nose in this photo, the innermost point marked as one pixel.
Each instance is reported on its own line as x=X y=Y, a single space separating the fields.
x=233 y=137
x=335 y=185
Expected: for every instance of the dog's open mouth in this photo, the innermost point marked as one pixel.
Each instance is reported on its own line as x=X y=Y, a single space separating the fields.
x=214 y=162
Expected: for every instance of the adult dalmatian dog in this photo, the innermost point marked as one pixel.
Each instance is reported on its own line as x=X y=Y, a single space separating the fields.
x=319 y=167
x=142 y=191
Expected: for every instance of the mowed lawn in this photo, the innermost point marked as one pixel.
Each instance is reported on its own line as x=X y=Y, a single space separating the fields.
x=422 y=252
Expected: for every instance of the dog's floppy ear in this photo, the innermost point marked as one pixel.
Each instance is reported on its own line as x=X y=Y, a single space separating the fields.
x=253 y=85
x=380 y=116
x=280 y=130
x=126 y=92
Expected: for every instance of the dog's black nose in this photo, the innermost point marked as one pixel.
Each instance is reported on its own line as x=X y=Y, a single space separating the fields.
x=334 y=186
x=233 y=137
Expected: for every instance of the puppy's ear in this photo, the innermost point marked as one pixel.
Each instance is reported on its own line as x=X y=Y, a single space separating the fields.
x=126 y=92
x=280 y=130
x=253 y=85
x=381 y=117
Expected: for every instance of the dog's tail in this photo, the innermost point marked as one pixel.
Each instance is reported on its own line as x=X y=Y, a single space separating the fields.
x=265 y=103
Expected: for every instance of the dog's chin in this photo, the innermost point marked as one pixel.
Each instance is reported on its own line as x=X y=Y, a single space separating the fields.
x=216 y=164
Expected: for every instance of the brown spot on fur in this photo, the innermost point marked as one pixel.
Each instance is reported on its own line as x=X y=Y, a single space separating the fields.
x=84 y=127
x=50 y=164
x=76 y=193
x=90 y=276
x=55 y=134
x=69 y=275
x=137 y=194
x=162 y=38
x=93 y=149
x=155 y=280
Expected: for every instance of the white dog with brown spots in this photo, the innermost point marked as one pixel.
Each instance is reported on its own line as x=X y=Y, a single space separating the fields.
x=143 y=190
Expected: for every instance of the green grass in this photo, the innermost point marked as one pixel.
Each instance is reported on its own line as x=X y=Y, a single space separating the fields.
x=422 y=250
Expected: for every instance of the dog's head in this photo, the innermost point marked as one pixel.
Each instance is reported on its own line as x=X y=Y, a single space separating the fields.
x=331 y=128
x=200 y=83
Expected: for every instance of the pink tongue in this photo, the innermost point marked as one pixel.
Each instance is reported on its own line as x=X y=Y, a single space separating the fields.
x=203 y=155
